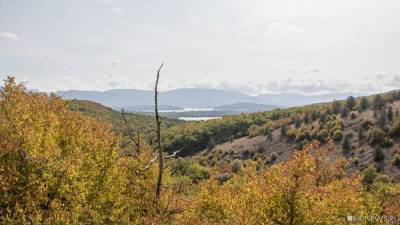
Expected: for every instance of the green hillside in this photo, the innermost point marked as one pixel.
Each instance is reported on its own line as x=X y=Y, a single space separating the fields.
x=138 y=122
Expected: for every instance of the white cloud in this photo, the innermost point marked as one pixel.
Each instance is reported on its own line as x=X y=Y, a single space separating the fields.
x=8 y=36
x=282 y=29
x=118 y=10
x=115 y=62
x=367 y=85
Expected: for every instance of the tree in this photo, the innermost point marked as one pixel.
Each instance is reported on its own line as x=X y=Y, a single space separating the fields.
x=382 y=118
x=346 y=144
x=369 y=175
x=350 y=103
x=297 y=123
x=390 y=114
x=378 y=154
x=211 y=143
x=344 y=112
x=57 y=166
x=283 y=130
x=336 y=107
x=378 y=102
x=158 y=132
x=364 y=104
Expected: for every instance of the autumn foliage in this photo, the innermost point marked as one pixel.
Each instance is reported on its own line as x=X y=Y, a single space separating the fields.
x=60 y=167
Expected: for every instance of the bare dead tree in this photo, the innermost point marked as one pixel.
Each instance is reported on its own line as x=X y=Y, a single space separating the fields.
x=136 y=141
x=159 y=147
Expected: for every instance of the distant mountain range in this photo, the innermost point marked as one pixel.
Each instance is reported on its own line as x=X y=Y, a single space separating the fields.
x=244 y=107
x=197 y=98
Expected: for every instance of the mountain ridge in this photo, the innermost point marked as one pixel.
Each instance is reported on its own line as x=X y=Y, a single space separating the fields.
x=195 y=97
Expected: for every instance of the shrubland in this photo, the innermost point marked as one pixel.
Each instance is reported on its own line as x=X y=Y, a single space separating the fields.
x=59 y=166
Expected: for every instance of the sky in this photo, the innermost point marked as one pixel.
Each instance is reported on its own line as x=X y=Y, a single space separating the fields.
x=251 y=46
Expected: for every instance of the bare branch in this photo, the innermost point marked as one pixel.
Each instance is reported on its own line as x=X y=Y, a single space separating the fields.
x=130 y=132
x=172 y=155
x=150 y=162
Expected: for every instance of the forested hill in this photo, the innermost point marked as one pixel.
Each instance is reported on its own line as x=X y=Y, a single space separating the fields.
x=365 y=131
x=142 y=123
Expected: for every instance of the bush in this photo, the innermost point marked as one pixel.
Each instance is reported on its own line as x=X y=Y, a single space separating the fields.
x=292 y=133
x=323 y=135
x=222 y=178
x=378 y=136
x=378 y=154
x=394 y=130
x=346 y=144
x=211 y=144
x=337 y=135
x=236 y=166
x=274 y=156
x=369 y=175
x=396 y=160
x=366 y=124
x=301 y=136
x=382 y=178
x=185 y=167
x=356 y=161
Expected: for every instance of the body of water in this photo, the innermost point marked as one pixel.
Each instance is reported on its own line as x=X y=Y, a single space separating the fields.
x=179 y=110
x=198 y=118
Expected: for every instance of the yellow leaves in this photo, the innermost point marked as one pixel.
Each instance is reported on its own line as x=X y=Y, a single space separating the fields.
x=308 y=189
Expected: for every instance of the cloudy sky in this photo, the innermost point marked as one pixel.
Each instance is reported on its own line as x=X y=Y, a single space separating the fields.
x=254 y=46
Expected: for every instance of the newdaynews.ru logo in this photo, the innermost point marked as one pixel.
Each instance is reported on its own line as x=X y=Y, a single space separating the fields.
x=382 y=219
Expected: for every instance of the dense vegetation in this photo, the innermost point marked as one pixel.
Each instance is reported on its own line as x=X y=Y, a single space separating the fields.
x=62 y=167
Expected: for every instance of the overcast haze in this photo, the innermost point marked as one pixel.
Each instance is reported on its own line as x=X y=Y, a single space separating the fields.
x=259 y=46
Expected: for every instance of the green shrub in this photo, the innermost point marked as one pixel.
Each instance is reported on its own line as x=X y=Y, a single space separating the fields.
x=378 y=154
x=366 y=124
x=292 y=133
x=394 y=130
x=382 y=178
x=274 y=156
x=323 y=135
x=378 y=136
x=369 y=175
x=236 y=166
x=346 y=144
x=211 y=144
x=396 y=160
x=337 y=135
x=185 y=167
x=301 y=136
x=356 y=161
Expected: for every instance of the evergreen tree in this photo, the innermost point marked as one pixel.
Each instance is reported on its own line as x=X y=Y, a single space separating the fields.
x=364 y=104
x=350 y=102
x=283 y=130
x=297 y=123
x=346 y=144
x=336 y=107
x=378 y=154
x=378 y=102
x=390 y=113
x=306 y=118
x=211 y=143
x=382 y=118
x=344 y=112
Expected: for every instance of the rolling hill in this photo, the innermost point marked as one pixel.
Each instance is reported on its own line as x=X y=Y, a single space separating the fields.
x=194 y=98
